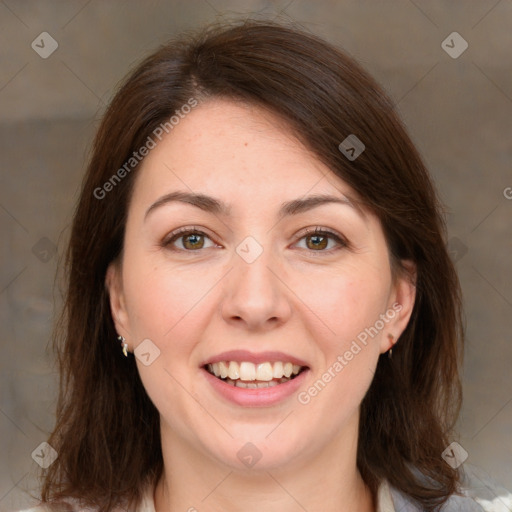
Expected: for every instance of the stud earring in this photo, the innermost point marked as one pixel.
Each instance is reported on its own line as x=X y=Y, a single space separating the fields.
x=390 y=351
x=124 y=344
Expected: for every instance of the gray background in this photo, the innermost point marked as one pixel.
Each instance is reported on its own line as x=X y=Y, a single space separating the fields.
x=458 y=112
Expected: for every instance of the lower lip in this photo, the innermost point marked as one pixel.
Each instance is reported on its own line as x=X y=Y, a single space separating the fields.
x=256 y=397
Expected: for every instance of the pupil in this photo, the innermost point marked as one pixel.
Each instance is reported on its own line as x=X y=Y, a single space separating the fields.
x=194 y=242
x=322 y=244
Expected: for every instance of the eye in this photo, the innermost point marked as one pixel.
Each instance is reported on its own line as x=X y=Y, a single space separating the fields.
x=318 y=239
x=192 y=239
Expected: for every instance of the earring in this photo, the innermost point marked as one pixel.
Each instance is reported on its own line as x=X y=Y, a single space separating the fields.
x=390 y=351
x=125 y=345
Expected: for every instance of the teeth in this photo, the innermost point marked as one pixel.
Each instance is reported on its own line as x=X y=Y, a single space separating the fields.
x=254 y=385
x=234 y=370
x=246 y=371
x=223 y=368
x=265 y=372
x=278 y=370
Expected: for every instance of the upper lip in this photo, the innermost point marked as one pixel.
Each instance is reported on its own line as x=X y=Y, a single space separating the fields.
x=253 y=357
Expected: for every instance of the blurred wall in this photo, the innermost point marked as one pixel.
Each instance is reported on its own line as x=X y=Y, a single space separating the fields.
x=456 y=101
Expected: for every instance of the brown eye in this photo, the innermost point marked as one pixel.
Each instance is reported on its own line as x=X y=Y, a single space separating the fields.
x=318 y=240
x=191 y=240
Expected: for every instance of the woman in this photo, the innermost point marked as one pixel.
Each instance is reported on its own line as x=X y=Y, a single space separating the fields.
x=261 y=312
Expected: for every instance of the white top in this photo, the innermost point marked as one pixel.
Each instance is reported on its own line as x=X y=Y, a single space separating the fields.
x=480 y=494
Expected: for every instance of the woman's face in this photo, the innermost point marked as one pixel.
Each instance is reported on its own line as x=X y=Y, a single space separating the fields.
x=255 y=286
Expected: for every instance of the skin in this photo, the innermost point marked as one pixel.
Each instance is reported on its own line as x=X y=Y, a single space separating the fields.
x=295 y=297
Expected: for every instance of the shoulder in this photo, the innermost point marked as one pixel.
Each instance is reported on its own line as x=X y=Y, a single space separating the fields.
x=479 y=486
x=64 y=507
x=61 y=507
x=74 y=505
x=478 y=493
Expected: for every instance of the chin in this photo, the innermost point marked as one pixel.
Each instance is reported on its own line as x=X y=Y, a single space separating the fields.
x=259 y=452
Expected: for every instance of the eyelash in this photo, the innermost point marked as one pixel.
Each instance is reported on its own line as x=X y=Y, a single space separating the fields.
x=317 y=231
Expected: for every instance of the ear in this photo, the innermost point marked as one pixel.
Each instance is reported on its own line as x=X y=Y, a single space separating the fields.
x=401 y=304
x=114 y=285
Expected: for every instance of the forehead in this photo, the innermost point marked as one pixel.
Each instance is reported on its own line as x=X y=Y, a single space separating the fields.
x=237 y=152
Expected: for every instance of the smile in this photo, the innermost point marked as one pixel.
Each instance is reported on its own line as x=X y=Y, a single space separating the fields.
x=248 y=375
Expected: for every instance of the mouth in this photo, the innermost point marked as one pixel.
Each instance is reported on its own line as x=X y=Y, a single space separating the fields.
x=245 y=374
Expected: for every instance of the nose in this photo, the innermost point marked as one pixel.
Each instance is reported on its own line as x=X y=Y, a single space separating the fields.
x=255 y=294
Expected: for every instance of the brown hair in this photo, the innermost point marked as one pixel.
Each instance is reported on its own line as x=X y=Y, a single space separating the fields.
x=107 y=431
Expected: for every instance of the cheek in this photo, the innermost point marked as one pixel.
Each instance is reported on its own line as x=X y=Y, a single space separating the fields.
x=354 y=310
x=167 y=306
x=346 y=303
x=346 y=307
x=163 y=301
x=345 y=313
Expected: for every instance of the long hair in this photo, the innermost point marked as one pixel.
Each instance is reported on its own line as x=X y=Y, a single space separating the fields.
x=107 y=429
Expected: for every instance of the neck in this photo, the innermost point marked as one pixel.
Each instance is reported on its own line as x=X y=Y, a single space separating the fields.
x=193 y=481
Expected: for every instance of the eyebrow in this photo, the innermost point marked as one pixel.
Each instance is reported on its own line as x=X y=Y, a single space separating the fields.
x=217 y=207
